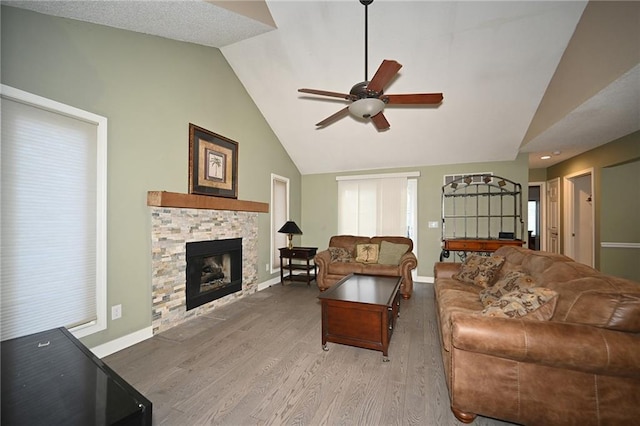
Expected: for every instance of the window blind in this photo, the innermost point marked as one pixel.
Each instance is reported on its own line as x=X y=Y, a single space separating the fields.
x=372 y=206
x=49 y=210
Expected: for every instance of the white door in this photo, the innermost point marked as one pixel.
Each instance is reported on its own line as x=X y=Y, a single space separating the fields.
x=553 y=216
x=579 y=231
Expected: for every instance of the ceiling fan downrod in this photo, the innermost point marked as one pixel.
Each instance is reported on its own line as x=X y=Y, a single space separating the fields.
x=366 y=4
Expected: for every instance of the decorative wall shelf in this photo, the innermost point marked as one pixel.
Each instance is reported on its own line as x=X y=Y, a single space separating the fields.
x=191 y=201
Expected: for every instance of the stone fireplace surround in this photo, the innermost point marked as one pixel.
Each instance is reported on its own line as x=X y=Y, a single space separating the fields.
x=171 y=229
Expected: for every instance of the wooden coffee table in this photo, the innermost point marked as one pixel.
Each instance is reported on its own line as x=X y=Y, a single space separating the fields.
x=361 y=310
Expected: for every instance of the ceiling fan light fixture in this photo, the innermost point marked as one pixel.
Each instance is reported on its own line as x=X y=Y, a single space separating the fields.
x=366 y=108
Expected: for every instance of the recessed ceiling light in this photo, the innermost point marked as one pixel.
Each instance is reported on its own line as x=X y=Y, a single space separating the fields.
x=557 y=152
x=545 y=157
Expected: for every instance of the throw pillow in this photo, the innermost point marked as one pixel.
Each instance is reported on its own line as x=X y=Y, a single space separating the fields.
x=367 y=253
x=390 y=253
x=511 y=281
x=480 y=270
x=339 y=254
x=535 y=303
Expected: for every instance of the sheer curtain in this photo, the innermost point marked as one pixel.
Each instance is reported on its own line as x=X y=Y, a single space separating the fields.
x=373 y=205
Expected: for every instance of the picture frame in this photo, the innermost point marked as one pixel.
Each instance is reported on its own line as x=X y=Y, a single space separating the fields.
x=213 y=163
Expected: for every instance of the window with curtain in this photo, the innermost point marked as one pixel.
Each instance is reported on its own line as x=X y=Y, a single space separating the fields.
x=53 y=223
x=376 y=204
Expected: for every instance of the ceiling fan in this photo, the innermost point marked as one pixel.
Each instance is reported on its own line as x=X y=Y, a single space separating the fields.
x=367 y=98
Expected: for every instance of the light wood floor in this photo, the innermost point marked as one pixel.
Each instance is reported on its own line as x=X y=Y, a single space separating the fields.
x=259 y=361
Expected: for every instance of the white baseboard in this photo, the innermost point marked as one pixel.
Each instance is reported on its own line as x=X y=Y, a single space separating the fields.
x=269 y=283
x=421 y=279
x=122 y=342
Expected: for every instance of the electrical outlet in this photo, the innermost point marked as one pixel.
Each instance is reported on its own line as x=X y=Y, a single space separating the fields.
x=266 y=267
x=433 y=224
x=116 y=312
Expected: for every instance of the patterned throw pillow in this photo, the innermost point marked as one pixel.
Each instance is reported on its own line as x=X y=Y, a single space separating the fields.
x=390 y=253
x=535 y=303
x=339 y=254
x=367 y=253
x=513 y=280
x=480 y=270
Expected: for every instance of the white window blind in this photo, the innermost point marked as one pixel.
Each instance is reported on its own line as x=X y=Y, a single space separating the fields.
x=52 y=217
x=373 y=205
x=279 y=215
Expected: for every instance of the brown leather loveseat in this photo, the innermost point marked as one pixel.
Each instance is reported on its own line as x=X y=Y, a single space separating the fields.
x=394 y=258
x=573 y=357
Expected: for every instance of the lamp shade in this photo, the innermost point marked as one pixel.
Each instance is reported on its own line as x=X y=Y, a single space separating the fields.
x=367 y=107
x=290 y=228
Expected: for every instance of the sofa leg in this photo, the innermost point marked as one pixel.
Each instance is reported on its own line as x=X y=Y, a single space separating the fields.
x=462 y=416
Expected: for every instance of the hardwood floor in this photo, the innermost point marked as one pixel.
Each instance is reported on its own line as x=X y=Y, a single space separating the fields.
x=259 y=361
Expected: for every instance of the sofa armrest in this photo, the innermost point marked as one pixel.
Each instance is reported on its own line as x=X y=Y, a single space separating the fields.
x=556 y=344
x=322 y=260
x=408 y=261
x=445 y=269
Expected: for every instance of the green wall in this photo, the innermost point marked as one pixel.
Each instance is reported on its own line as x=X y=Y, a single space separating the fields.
x=320 y=203
x=150 y=89
x=619 y=224
x=623 y=150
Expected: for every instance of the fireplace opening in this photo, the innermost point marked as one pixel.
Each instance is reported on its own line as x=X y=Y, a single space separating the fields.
x=214 y=270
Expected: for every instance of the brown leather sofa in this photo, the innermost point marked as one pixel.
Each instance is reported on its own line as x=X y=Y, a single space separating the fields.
x=331 y=270
x=580 y=367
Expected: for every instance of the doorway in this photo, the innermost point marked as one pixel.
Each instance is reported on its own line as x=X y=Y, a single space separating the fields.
x=536 y=223
x=579 y=233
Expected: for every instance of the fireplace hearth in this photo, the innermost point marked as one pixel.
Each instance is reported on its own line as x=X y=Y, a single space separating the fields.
x=214 y=270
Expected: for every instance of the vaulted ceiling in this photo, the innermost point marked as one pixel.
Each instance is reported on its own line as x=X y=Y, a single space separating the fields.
x=536 y=77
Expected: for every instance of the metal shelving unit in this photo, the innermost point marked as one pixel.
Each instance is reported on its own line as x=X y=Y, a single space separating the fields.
x=480 y=213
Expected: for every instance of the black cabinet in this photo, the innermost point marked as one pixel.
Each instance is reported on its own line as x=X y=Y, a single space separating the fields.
x=51 y=378
x=298 y=259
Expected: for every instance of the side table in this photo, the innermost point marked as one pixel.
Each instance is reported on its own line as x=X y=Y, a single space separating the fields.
x=299 y=255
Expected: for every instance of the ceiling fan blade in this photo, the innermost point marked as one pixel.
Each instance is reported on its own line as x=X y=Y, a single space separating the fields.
x=327 y=93
x=387 y=70
x=380 y=121
x=413 y=99
x=335 y=117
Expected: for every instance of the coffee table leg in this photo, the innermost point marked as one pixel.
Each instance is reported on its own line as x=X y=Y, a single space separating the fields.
x=385 y=358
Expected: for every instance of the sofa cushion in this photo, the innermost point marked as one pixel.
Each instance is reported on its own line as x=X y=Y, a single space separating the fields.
x=511 y=281
x=367 y=253
x=378 y=269
x=535 y=303
x=393 y=239
x=390 y=253
x=348 y=242
x=345 y=268
x=480 y=270
x=601 y=301
x=451 y=301
x=339 y=254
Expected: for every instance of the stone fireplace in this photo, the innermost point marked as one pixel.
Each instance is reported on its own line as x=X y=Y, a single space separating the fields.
x=172 y=229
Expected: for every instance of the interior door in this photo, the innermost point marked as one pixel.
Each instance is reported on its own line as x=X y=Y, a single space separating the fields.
x=579 y=223
x=553 y=215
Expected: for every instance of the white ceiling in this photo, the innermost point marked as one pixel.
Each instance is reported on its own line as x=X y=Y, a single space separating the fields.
x=493 y=61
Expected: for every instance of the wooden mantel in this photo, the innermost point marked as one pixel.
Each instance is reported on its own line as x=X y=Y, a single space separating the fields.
x=191 y=201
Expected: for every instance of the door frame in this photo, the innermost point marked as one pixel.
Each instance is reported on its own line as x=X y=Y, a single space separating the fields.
x=543 y=213
x=569 y=213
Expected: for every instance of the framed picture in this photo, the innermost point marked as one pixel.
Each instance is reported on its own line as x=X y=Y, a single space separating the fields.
x=213 y=164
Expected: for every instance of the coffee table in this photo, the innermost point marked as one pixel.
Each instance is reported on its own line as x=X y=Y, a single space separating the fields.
x=361 y=310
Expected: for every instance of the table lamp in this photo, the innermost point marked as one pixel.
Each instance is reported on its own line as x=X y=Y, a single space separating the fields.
x=290 y=228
